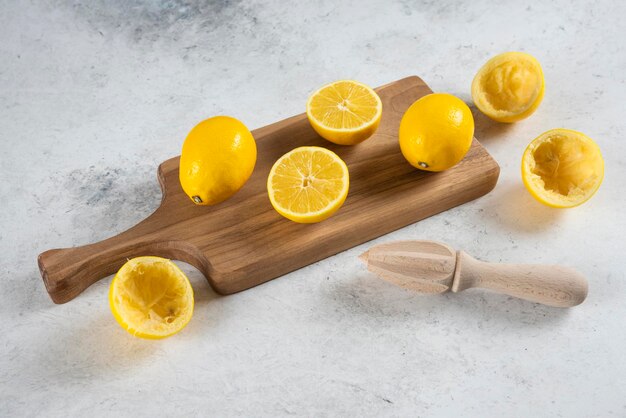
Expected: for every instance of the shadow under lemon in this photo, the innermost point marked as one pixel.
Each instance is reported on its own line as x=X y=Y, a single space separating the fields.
x=96 y=347
x=486 y=129
x=516 y=209
x=100 y=346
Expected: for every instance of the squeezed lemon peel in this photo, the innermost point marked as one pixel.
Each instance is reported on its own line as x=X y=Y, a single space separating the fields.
x=509 y=87
x=562 y=168
x=150 y=297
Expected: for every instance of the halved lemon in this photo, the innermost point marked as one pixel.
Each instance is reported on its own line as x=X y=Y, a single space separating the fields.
x=509 y=87
x=345 y=112
x=308 y=184
x=562 y=168
x=151 y=297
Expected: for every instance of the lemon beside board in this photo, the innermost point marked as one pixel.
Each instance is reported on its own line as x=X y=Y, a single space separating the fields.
x=150 y=297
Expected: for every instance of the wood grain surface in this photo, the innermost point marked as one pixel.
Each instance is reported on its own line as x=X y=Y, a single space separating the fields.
x=551 y=285
x=433 y=267
x=243 y=242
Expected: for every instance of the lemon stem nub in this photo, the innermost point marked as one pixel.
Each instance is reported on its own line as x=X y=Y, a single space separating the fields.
x=197 y=199
x=422 y=164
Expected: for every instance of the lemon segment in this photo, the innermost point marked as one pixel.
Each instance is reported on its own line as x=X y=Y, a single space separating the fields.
x=308 y=184
x=345 y=112
x=509 y=87
x=218 y=157
x=436 y=132
x=562 y=168
x=150 y=297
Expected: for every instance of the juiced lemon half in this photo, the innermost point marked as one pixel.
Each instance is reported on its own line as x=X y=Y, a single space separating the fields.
x=509 y=87
x=562 y=168
x=151 y=297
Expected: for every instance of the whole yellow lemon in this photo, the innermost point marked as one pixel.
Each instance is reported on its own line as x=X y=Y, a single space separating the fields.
x=218 y=158
x=436 y=132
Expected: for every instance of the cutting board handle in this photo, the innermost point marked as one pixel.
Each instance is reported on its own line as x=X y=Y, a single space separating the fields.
x=551 y=285
x=67 y=272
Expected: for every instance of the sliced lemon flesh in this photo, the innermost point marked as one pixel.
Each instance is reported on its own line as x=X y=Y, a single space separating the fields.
x=308 y=184
x=509 y=87
x=345 y=112
x=562 y=168
x=151 y=297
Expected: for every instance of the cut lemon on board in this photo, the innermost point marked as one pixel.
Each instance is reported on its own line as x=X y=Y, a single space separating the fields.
x=151 y=297
x=509 y=87
x=562 y=168
x=345 y=112
x=308 y=184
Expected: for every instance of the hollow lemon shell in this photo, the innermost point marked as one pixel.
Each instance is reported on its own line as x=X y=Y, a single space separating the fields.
x=150 y=297
x=562 y=168
x=509 y=87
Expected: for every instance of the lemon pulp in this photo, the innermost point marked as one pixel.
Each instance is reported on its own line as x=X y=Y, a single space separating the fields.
x=308 y=184
x=151 y=297
x=345 y=112
x=562 y=168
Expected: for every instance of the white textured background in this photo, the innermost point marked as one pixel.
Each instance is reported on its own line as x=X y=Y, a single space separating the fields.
x=94 y=95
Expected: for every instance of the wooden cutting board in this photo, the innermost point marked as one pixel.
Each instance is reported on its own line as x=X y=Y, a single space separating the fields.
x=243 y=242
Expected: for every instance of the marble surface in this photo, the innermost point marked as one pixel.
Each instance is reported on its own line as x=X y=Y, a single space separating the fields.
x=94 y=94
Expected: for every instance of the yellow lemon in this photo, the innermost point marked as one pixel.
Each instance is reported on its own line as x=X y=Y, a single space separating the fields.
x=150 y=297
x=308 y=184
x=218 y=158
x=436 y=132
x=509 y=87
x=345 y=112
x=562 y=168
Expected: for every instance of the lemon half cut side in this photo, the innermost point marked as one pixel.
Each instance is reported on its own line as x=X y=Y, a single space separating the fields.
x=308 y=184
x=344 y=112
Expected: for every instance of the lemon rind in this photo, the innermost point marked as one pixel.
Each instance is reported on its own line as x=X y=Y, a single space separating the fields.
x=405 y=142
